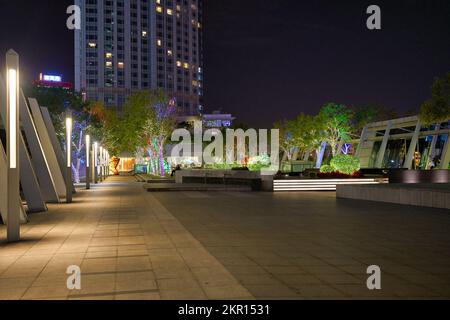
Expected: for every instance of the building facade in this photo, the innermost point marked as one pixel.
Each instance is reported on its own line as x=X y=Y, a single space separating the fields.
x=405 y=143
x=126 y=46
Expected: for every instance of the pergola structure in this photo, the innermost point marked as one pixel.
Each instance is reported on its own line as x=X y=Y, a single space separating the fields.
x=376 y=136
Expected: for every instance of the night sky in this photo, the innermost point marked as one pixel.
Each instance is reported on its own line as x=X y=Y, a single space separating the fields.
x=272 y=59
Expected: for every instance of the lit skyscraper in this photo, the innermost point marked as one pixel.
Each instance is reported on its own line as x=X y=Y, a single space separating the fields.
x=130 y=45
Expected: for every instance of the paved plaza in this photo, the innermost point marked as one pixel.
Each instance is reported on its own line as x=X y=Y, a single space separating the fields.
x=132 y=244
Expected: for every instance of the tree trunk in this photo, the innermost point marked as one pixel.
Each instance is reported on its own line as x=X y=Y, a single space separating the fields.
x=161 y=159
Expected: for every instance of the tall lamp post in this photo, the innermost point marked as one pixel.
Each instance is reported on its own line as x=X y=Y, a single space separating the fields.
x=12 y=131
x=88 y=150
x=100 y=157
x=105 y=172
x=69 y=157
x=107 y=163
x=95 y=161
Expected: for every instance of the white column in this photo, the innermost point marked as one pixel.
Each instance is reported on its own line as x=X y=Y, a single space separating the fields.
x=445 y=158
x=382 y=151
x=412 y=147
x=57 y=172
x=432 y=152
x=361 y=142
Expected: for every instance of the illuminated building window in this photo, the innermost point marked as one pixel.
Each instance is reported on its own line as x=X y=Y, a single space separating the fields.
x=158 y=1
x=108 y=64
x=120 y=65
x=178 y=7
x=186 y=65
x=159 y=9
x=159 y=42
x=169 y=52
x=178 y=63
x=169 y=12
x=92 y=45
x=144 y=33
x=108 y=55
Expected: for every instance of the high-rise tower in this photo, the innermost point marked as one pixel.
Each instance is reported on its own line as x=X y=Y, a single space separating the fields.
x=129 y=45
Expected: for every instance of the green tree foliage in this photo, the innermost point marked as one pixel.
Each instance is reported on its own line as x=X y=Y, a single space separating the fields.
x=302 y=134
x=158 y=127
x=138 y=125
x=287 y=140
x=437 y=109
x=57 y=101
x=337 y=124
x=363 y=115
x=345 y=164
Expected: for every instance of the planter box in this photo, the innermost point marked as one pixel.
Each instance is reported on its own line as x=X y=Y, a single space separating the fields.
x=419 y=176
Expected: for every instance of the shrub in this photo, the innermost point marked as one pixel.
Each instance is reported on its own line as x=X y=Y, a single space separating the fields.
x=259 y=162
x=326 y=169
x=346 y=164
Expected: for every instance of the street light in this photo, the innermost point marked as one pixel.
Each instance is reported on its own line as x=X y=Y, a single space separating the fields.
x=12 y=130
x=69 y=156
x=105 y=173
x=101 y=163
x=107 y=163
x=95 y=159
x=88 y=150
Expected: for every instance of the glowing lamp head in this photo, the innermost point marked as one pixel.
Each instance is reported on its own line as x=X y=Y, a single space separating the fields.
x=69 y=139
x=88 y=148
x=13 y=111
x=95 y=153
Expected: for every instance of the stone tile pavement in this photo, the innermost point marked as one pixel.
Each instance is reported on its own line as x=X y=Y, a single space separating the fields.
x=131 y=244
x=311 y=245
x=127 y=245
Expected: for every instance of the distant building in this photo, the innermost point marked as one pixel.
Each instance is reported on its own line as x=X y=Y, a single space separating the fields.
x=52 y=81
x=217 y=120
x=129 y=45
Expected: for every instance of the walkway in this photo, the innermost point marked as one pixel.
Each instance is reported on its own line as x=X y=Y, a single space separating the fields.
x=127 y=245
x=131 y=244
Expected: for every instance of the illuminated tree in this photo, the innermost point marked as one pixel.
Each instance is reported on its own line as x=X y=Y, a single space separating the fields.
x=337 y=125
x=158 y=126
x=288 y=142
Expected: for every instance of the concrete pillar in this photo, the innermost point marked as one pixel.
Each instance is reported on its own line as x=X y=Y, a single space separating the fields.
x=49 y=151
x=412 y=147
x=28 y=178
x=445 y=159
x=382 y=151
x=29 y=182
x=54 y=139
x=362 y=140
x=38 y=158
x=3 y=186
x=433 y=145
